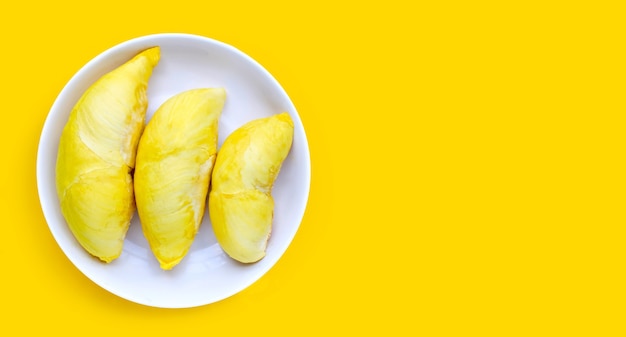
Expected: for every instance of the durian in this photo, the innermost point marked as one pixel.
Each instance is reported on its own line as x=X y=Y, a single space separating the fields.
x=96 y=156
x=241 y=206
x=174 y=162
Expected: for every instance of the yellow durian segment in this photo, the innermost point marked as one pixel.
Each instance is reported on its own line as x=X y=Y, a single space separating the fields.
x=241 y=206
x=97 y=154
x=174 y=162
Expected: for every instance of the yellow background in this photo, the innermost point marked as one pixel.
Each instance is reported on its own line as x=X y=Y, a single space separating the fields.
x=467 y=167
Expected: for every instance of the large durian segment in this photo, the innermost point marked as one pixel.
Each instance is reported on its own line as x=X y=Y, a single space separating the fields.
x=174 y=164
x=96 y=156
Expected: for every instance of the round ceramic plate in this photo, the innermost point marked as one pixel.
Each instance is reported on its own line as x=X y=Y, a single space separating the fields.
x=206 y=274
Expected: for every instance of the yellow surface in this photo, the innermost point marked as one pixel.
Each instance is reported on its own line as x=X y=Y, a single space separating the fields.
x=468 y=167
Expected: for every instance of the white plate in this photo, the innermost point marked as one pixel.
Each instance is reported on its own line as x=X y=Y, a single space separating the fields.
x=206 y=274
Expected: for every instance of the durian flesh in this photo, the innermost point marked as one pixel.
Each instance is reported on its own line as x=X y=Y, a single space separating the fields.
x=174 y=163
x=97 y=154
x=241 y=206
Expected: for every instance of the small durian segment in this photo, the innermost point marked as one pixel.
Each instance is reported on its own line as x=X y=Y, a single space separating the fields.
x=241 y=206
x=174 y=163
x=97 y=154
